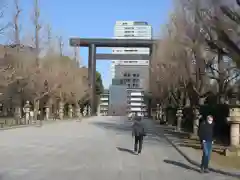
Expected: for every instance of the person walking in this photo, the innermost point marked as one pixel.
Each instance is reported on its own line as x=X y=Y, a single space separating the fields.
x=138 y=132
x=206 y=137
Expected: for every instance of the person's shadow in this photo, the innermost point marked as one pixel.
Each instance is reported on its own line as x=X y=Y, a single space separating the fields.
x=126 y=150
x=182 y=165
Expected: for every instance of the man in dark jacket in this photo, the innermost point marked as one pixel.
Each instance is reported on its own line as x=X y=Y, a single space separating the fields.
x=138 y=132
x=206 y=138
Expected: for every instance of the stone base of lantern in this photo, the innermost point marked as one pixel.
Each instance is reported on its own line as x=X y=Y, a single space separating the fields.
x=232 y=151
x=193 y=137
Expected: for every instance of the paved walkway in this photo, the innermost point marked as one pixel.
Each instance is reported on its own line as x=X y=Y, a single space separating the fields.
x=193 y=156
x=99 y=149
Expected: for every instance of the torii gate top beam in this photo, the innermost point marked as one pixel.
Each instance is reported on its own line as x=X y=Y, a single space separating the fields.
x=104 y=42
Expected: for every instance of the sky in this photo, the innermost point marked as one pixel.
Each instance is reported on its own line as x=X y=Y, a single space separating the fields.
x=92 y=19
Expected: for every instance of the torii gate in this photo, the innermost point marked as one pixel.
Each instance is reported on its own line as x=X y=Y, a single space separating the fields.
x=93 y=43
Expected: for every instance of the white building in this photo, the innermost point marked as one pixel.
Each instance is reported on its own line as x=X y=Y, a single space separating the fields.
x=130 y=30
x=104 y=103
x=132 y=73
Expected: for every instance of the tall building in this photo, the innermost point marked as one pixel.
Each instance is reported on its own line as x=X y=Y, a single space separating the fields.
x=134 y=74
x=130 y=30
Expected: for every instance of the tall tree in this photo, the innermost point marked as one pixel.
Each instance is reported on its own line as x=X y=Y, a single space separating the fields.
x=60 y=43
x=99 y=84
x=16 y=22
x=37 y=30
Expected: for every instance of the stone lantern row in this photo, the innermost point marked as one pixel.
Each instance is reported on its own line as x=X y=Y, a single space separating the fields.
x=233 y=120
x=86 y=111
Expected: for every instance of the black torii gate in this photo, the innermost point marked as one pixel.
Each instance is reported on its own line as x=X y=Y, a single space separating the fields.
x=93 y=43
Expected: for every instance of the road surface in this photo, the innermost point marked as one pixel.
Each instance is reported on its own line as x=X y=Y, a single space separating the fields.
x=98 y=148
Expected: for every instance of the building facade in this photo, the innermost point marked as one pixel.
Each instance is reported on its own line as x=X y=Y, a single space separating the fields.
x=136 y=101
x=133 y=74
x=130 y=30
x=118 y=100
x=104 y=103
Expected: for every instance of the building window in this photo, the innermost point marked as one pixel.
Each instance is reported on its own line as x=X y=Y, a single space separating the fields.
x=128 y=85
x=135 y=80
x=129 y=31
x=137 y=75
x=129 y=28
x=134 y=75
x=125 y=75
x=130 y=50
x=145 y=32
x=126 y=81
x=142 y=27
x=140 y=23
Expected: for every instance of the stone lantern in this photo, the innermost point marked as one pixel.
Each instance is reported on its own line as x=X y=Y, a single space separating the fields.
x=85 y=111
x=179 y=116
x=158 y=112
x=47 y=112
x=26 y=110
x=77 y=110
x=196 y=121
x=161 y=114
x=89 y=111
x=234 y=121
x=70 y=111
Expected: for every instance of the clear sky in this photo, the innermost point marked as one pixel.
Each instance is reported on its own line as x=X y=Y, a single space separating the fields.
x=95 y=19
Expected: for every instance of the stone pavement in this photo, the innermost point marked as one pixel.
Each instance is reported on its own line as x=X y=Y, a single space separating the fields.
x=96 y=149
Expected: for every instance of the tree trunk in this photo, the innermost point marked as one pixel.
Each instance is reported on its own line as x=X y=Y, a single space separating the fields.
x=61 y=110
x=196 y=121
x=36 y=108
x=70 y=111
x=17 y=114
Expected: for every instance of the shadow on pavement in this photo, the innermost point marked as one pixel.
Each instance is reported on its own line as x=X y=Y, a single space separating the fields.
x=126 y=150
x=182 y=165
x=114 y=126
x=215 y=170
x=124 y=127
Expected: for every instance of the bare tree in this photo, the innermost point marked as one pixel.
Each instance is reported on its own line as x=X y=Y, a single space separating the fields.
x=222 y=38
x=37 y=30
x=16 y=22
x=183 y=54
x=49 y=39
x=76 y=55
x=60 y=42
x=3 y=25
